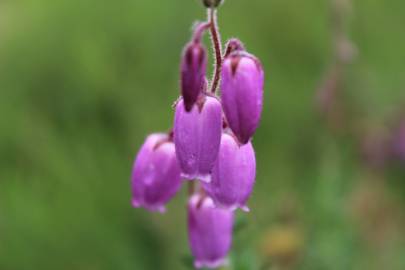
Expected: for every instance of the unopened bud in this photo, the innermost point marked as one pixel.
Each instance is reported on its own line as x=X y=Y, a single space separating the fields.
x=193 y=69
x=212 y=3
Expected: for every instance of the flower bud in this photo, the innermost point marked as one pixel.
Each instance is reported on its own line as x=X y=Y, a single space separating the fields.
x=233 y=175
x=155 y=174
x=212 y=3
x=193 y=70
x=197 y=136
x=210 y=232
x=242 y=93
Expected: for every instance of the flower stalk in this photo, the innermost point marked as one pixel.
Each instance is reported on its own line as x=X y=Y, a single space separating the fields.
x=216 y=42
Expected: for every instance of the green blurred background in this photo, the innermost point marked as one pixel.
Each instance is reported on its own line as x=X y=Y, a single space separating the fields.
x=83 y=82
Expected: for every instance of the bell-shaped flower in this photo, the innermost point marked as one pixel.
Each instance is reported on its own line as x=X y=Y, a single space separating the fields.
x=193 y=71
x=210 y=232
x=155 y=174
x=197 y=135
x=233 y=175
x=242 y=93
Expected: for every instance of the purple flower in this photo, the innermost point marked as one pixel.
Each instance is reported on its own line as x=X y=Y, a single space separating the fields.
x=233 y=175
x=193 y=70
x=210 y=141
x=197 y=135
x=210 y=232
x=155 y=174
x=242 y=93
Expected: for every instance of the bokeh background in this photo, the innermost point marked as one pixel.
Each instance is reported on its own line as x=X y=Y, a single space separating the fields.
x=83 y=82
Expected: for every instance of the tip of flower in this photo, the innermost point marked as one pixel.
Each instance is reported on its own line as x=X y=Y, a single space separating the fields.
x=160 y=209
x=211 y=263
x=135 y=203
x=186 y=176
x=232 y=207
x=206 y=178
x=243 y=140
x=152 y=208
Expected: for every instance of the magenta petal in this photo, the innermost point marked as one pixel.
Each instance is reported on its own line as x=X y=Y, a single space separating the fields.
x=197 y=135
x=210 y=232
x=242 y=94
x=233 y=175
x=155 y=174
x=193 y=70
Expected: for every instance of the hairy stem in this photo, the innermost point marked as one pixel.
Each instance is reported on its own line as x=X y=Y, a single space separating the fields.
x=199 y=31
x=216 y=42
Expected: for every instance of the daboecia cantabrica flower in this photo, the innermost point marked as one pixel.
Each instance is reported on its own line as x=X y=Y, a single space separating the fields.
x=155 y=174
x=209 y=230
x=210 y=144
x=242 y=93
x=233 y=174
x=197 y=135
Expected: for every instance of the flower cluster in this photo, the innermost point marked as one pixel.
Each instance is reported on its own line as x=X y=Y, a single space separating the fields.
x=209 y=145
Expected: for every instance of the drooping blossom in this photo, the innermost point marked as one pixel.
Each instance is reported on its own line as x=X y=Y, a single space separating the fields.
x=233 y=175
x=242 y=93
x=210 y=232
x=197 y=135
x=155 y=174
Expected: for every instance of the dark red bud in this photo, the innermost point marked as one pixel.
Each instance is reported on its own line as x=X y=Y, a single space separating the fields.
x=193 y=71
x=212 y=3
